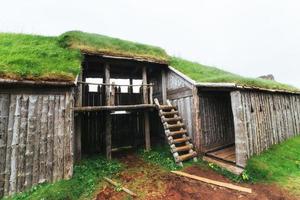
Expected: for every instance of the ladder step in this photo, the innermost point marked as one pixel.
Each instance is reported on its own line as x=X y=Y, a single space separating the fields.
x=182 y=148
x=175 y=119
x=167 y=107
x=181 y=132
x=187 y=156
x=171 y=126
x=180 y=140
x=169 y=113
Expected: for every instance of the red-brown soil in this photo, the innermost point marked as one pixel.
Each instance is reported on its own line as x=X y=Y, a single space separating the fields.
x=150 y=182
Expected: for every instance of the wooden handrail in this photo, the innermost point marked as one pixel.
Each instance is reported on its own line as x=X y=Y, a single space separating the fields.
x=110 y=84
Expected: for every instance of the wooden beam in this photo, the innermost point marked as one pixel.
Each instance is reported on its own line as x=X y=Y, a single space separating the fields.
x=213 y=182
x=146 y=114
x=108 y=127
x=77 y=125
x=113 y=108
x=164 y=86
x=123 y=188
x=196 y=121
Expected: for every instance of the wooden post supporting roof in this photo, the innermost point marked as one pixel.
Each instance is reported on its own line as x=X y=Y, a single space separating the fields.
x=108 y=127
x=164 y=86
x=78 y=131
x=196 y=120
x=146 y=114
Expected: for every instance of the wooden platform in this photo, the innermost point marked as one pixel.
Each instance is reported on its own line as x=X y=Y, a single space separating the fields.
x=226 y=165
x=226 y=154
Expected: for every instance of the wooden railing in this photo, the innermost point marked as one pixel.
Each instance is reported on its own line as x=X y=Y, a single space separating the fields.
x=111 y=94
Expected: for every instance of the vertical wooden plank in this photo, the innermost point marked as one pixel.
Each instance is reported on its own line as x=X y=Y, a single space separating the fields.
x=240 y=133
x=14 y=145
x=22 y=143
x=12 y=108
x=146 y=117
x=43 y=141
x=56 y=141
x=30 y=141
x=164 y=86
x=36 y=157
x=78 y=119
x=4 y=108
x=196 y=125
x=67 y=138
x=50 y=136
x=60 y=139
x=108 y=126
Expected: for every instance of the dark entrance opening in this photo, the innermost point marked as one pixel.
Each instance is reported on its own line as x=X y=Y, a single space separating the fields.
x=217 y=125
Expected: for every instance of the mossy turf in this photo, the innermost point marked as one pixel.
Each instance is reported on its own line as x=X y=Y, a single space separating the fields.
x=280 y=164
x=202 y=73
x=34 y=57
x=37 y=57
x=101 y=44
x=87 y=176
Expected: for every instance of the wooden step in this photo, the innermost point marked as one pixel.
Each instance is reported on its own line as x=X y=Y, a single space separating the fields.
x=169 y=113
x=182 y=148
x=175 y=119
x=179 y=140
x=173 y=133
x=167 y=107
x=172 y=126
x=187 y=156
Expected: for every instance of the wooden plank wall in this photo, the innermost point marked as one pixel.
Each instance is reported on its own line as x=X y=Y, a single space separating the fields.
x=263 y=119
x=179 y=92
x=216 y=120
x=36 y=140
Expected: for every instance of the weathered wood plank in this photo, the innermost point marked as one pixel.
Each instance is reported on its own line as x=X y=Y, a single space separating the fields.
x=30 y=141
x=4 y=109
x=8 y=161
x=22 y=143
x=14 y=145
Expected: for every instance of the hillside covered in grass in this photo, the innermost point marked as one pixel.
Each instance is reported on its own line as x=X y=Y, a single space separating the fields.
x=34 y=57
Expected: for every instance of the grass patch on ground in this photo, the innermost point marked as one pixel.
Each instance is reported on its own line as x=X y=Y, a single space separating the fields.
x=87 y=176
x=280 y=164
x=161 y=156
x=95 y=43
x=202 y=73
x=36 y=57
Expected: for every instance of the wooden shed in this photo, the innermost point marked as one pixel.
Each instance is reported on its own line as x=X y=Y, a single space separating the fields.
x=229 y=122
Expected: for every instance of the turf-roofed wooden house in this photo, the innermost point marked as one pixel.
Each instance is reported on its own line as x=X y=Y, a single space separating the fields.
x=81 y=93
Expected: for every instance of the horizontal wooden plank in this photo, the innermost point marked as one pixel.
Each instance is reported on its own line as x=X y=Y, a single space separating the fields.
x=114 y=108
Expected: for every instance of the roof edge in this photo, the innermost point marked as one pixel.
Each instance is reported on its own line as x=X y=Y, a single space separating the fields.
x=37 y=83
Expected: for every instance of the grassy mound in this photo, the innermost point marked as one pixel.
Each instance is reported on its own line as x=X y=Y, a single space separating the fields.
x=202 y=73
x=84 y=182
x=100 y=44
x=280 y=164
x=36 y=57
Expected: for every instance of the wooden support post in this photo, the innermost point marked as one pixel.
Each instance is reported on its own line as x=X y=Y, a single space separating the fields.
x=164 y=86
x=78 y=121
x=108 y=127
x=196 y=121
x=146 y=114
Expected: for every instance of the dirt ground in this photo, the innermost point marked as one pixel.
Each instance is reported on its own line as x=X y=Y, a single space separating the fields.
x=151 y=182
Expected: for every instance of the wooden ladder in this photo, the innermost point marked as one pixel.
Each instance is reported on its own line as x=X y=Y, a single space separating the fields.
x=176 y=133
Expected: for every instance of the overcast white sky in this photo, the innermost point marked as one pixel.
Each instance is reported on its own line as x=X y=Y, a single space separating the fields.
x=248 y=37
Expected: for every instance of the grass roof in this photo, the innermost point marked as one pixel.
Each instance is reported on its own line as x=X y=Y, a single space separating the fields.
x=202 y=73
x=34 y=57
x=100 y=44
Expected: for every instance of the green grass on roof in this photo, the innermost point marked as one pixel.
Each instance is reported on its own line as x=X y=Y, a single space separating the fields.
x=202 y=73
x=100 y=44
x=36 y=57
